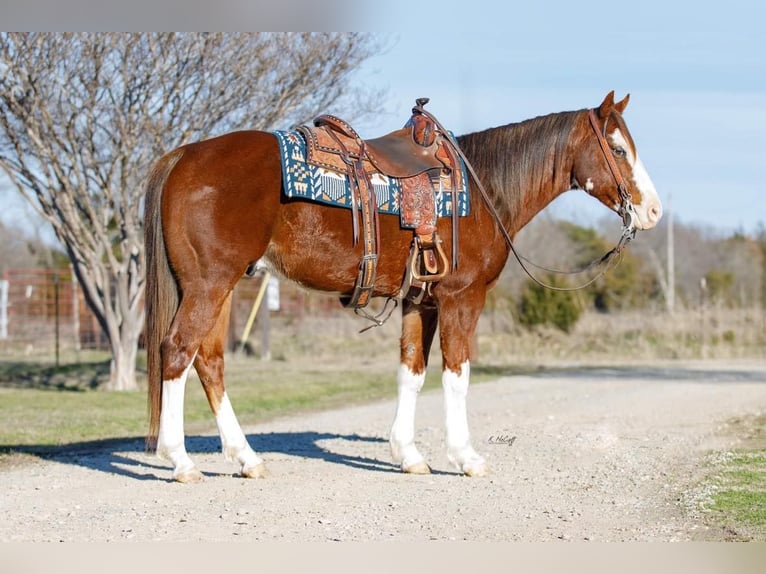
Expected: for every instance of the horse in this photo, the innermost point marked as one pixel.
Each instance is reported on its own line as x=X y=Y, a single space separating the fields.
x=215 y=207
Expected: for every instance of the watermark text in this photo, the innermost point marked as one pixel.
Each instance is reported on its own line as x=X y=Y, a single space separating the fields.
x=502 y=439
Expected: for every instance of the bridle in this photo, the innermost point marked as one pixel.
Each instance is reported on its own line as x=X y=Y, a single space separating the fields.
x=625 y=210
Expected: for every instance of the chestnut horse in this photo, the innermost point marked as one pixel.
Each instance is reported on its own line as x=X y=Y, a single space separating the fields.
x=215 y=207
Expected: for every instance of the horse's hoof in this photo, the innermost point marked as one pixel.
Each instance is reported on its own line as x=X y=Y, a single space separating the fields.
x=189 y=476
x=417 y=468
x=480 y=470
x=257 y=471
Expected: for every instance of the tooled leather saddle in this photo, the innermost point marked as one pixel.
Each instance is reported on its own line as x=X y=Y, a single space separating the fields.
x=423 y=160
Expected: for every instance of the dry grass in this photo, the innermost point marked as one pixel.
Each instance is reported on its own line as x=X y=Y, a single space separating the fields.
x=630 y=336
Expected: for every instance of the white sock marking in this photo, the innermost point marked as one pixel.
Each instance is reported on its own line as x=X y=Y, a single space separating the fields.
x=170 y=443
x=402 y=439
x=459 y=449
x=233 y=440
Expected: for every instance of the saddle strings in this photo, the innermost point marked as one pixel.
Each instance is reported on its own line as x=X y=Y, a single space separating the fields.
x=385 y=313
x=627 y=233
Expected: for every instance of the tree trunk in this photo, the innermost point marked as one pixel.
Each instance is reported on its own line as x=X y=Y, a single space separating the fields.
x=122 y=372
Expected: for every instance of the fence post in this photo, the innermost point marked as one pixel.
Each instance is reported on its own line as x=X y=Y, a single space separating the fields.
x=57 y=319
x=75 y=313
x=3 y=308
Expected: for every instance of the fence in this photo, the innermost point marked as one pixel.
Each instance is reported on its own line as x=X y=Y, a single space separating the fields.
x=43 y=312
x=295 y=305
x=3 y=309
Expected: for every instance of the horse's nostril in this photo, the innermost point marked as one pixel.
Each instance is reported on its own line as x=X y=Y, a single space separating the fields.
x=655 y=212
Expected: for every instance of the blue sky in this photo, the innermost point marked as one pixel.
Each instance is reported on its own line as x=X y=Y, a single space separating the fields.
x=695 y=73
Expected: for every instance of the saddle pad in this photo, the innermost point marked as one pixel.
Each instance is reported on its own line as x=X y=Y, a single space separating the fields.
x=304 y=181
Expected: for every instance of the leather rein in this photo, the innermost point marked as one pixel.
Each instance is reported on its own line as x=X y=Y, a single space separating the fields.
x=625 y=210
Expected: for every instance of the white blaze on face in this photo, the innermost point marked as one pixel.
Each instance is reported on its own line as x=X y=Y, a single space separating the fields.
x=649 y=211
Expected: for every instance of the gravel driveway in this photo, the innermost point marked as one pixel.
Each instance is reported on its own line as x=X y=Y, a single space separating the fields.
x=596 y=454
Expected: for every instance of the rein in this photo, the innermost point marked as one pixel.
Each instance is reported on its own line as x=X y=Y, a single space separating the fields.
x=626 y=210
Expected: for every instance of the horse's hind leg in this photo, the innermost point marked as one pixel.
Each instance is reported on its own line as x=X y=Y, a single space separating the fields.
x=195 y=318
x=170 y=441
x=209 y=364
x=418 y=328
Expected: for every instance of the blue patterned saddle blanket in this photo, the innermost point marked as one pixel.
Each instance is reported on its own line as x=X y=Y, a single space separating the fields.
x=305 y=181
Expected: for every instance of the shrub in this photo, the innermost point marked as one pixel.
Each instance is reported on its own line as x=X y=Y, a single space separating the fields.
x=539 y=305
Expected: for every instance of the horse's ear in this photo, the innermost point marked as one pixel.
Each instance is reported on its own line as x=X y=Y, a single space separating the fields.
x=622 y=104
x=606 y=106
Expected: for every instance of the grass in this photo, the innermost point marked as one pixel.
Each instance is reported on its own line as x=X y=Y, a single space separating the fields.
x=46 y=409
x=39 y=412
x=85 y=374
x=738 y=503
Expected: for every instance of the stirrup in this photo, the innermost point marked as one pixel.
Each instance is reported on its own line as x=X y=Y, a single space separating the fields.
x=434 y=270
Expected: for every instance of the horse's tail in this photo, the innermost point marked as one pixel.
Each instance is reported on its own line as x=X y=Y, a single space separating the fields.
x=161 y=289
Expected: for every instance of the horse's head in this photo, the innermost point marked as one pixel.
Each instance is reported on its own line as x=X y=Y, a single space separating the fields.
x=608 y=167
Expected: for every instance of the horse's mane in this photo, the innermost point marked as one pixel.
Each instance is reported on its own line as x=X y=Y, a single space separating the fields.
x=514 y=160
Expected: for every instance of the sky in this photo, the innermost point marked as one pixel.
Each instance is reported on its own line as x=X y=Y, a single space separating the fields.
x=696 y=75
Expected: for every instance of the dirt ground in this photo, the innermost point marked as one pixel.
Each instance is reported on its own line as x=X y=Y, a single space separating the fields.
x=601 y=454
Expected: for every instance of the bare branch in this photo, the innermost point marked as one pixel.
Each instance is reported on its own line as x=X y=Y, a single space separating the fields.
x=82 y=117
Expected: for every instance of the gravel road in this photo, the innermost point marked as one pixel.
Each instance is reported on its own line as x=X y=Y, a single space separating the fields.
x=597 y=454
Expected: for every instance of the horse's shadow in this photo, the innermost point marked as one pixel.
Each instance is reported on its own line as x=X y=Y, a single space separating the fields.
x=126 y=457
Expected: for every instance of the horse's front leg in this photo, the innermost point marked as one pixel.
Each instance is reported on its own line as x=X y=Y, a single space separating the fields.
x=458 y=316
x=418 y=328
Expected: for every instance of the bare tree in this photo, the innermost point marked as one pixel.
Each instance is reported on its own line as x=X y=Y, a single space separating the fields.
x=82 y=116
x=19 y=249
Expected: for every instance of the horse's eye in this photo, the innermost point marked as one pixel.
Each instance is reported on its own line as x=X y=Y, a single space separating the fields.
x=619 y=152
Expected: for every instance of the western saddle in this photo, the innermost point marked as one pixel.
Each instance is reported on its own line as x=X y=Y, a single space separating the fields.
x=422 y=157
